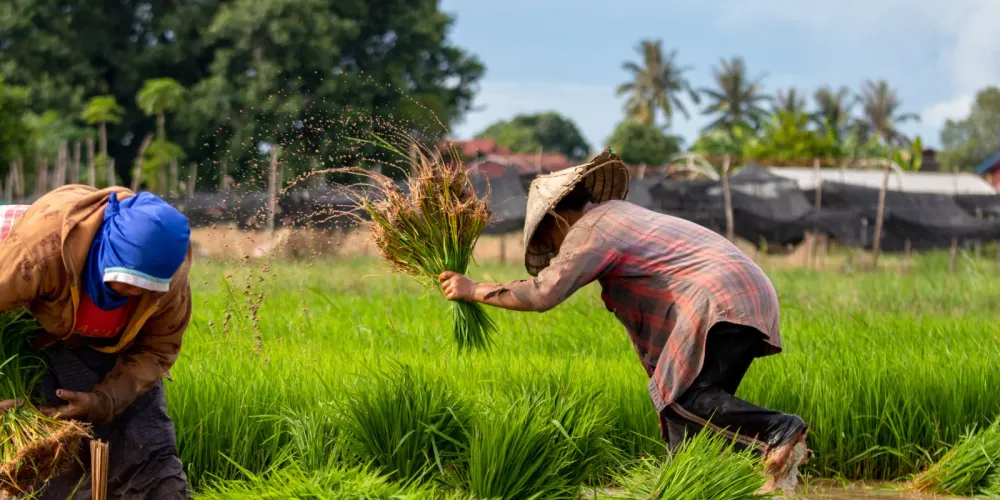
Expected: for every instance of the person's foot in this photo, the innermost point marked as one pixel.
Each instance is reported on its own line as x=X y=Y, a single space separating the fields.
x=782 y=465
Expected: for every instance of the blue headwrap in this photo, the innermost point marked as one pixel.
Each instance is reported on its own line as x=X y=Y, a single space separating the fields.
x=143 y=242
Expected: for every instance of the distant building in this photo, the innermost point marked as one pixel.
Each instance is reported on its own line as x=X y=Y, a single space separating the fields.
x=486 y=155
x=928 y=162
x=990 y=170
x=911 y=182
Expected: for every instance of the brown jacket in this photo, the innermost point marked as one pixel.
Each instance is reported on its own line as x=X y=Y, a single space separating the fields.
x=40 y=265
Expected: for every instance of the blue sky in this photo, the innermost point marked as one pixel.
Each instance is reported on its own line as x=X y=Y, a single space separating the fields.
x=566 y=55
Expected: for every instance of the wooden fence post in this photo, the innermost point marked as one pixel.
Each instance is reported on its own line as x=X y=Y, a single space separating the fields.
x=814 y=242
x=192 y=180
x=137 y=170
x=272 y=188
x=953 y=256
x=880 y=214
x=907 y=248
x=91 y=164
x=112 y=178
x=730 y=230
x=62 y=164
x=74 y=173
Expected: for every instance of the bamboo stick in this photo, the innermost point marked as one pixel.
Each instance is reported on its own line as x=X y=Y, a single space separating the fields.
x=98 y=469
x=730 y=230
x=74 y=173
x=880 y=214
x=91 y=164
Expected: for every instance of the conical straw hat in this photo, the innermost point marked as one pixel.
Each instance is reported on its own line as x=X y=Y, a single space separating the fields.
x=605 y=177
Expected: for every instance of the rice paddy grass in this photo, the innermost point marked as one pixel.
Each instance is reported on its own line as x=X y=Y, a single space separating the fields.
x=345 y=376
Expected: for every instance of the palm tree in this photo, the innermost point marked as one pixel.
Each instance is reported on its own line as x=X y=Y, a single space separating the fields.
x=833 y=109
x=737 y=99
x=657 y=84
x=880 y=113
x=790 y=101
x=100 y=111
x=157 y=97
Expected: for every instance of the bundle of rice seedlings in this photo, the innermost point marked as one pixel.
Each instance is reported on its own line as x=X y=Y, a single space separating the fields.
x=432 y=229
x=966 y=468
x=405 y=423
x=705 y=466
x=335 y=482
x=34 y=448
x=519 y=451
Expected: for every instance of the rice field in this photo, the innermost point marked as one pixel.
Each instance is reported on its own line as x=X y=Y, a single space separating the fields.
x=337 y=379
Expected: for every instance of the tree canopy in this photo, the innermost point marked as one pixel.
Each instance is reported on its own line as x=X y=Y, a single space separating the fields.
x=256 y=69
x=550 y=131
x=642 y=144
x=968 y=142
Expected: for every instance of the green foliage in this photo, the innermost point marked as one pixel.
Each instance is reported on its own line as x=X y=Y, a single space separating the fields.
x=881 y=113
x=719 y=142
x=49 y=129
x=640 y=144
x=15 y=135
x=253 y=67
x=335 y=482
x=102 y=109
x=967 y=468
x=786 y=136
x=737 y=99
x=160 y=95
x=656 y=85
x=550 y=131
x=159 y=155
x=703 y=467
x=405 y=423
x=968 y=142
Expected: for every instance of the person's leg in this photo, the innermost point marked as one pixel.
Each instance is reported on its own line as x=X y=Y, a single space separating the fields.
x=710 y=401
x=710 y=404
x=143 y=460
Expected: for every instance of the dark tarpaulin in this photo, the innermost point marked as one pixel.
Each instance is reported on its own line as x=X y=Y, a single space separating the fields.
x=639 y=192
x=765 y=206
x=980 y=205
x=508 y=200
x=927 y=220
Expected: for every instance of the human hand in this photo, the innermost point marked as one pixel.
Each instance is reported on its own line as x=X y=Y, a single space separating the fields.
x=9 y=404
x=457 y=286
x=80 y=406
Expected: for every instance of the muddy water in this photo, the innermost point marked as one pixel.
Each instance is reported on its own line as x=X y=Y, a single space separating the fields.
x=827 y=490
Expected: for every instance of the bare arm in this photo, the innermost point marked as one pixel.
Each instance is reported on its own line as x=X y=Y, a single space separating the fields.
x=584 y=257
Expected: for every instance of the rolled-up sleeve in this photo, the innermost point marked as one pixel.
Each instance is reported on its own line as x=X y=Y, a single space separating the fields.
x=585 y=256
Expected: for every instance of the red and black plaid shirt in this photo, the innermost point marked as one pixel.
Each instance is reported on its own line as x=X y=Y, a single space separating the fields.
x=666 y=279
x=8 y=216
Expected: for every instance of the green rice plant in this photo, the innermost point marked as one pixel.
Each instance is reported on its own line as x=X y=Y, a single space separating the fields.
x=33 y=447
x=966 y=467
x=991 y=485
x=522 y=450
x=336 y=482
x=884 y=370
x=405 y=423
x=704 y=467
x=432 y=230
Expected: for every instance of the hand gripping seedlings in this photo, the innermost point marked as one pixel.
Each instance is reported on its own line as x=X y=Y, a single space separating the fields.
x=34 y=448
x=432 y=229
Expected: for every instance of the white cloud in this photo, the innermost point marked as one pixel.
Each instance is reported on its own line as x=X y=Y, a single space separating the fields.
x=938 y=113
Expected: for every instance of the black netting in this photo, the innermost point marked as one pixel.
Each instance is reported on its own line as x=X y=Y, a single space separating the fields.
x=508 y=200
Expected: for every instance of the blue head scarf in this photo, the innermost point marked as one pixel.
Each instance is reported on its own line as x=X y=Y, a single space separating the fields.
x=142 y=242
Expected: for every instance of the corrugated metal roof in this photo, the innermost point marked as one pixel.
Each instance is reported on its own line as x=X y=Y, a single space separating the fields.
x=989 y=164
x=913 y=182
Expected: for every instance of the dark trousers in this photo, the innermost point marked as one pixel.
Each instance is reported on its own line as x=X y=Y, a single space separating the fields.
x=142 y=447
x=710 y=402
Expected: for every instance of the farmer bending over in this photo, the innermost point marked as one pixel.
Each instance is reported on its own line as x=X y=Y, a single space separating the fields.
x=697 y=309
x=105 y=273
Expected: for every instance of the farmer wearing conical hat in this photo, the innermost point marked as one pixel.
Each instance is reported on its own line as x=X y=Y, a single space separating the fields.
x=105 y=273
x=697 y=309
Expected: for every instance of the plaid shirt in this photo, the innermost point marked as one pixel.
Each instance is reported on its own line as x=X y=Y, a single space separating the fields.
x=666 y=279
x=8 y=216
